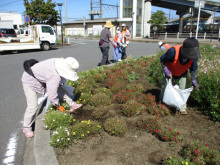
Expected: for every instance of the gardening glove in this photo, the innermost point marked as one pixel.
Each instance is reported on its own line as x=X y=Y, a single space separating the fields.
x=195 y=84
x=167 y=73
x=114 y=46
x=61 y=108
x=124 y=45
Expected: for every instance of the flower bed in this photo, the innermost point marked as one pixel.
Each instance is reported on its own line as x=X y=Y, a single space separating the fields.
x=122 y=121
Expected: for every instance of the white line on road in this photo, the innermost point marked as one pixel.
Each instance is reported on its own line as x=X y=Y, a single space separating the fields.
x=11 y=150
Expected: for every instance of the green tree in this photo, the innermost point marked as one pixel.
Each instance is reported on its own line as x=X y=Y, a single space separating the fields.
x=158 y=19
x=41 y=12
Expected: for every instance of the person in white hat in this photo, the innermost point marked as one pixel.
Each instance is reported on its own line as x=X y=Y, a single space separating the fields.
x=105 y=38
x=121 y=41
x=54 y=73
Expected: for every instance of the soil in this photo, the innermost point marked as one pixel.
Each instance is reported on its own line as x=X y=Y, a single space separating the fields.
x=137 y=147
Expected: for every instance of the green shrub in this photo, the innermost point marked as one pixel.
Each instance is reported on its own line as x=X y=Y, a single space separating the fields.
x=100 y=99
x=103 y=90
x=198 y=153
x=135 y=88
x=84 y=98
x=158 y=109
x=133 y=108
x=61 y=137
x=83 y=129
x=147 y=99
x=155 y=71
x=153 y=125
x=55 y=119
x=208 y=76
x=176 y=161
x=115 y=126
x=133 y=76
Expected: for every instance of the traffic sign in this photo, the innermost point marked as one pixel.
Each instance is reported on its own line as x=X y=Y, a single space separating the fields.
x=27 y=19
x=199 y=3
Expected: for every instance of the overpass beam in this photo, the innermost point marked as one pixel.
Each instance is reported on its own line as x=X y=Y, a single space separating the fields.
x=147 y=17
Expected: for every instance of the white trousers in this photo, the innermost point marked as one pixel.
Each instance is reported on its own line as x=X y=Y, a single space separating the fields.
x=32 y=103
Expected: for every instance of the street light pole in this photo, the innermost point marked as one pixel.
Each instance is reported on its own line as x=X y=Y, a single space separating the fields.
x=60 y=7
x=213 y=22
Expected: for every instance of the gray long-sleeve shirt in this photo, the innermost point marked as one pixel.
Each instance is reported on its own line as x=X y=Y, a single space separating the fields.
x=45 y=72
x=106 y=37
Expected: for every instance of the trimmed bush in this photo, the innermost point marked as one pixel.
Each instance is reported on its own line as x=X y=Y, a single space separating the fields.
x=115 y=126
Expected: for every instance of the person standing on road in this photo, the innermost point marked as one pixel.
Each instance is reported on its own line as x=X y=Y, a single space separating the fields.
x=121 y=41
x=126 y=38
x=176 y=62
x=51 y=75
x=105 y=38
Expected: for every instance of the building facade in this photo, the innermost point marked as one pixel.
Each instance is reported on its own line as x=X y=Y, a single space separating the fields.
x=12 y=17
x=140 y=12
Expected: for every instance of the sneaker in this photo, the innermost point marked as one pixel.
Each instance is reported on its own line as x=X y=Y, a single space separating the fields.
x=119 y=60
x=74 y=107
x=183 y=112
x=28 y=132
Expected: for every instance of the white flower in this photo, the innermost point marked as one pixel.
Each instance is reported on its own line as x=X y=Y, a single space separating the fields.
x=53 y=119
x=68 y=138
x=58 y=140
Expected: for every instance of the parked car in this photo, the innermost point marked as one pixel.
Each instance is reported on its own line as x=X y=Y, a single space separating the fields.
x=23 y=32
x=7 y=33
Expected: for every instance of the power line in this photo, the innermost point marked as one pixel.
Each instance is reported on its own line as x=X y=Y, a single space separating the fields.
x=10 y=3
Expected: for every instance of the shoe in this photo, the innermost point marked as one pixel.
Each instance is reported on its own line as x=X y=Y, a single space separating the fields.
x=74 y=107
x=183 y=112
x=28 y=132
x=119 y=60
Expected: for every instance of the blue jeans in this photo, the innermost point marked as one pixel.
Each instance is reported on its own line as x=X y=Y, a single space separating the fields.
x=117 y=53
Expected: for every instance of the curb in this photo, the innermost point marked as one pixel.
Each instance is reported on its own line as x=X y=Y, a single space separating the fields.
x=43 y=152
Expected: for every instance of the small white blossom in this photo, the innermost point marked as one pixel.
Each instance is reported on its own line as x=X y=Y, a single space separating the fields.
x=58 y=140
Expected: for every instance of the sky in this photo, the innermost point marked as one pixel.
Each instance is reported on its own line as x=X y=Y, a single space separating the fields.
x=76 y=9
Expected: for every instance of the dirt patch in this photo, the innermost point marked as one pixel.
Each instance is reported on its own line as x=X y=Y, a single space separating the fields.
x=138 y=146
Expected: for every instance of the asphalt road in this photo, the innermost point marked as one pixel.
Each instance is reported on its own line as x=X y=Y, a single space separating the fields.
x=12 y=99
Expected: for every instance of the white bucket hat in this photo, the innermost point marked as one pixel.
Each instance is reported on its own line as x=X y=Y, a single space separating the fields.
x=67 y=68
x=123 y=24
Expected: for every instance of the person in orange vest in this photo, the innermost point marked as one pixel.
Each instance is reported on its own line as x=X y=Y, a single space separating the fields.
x=120 y=41
x=177 y=61
x=164 y=46
x=127 y=36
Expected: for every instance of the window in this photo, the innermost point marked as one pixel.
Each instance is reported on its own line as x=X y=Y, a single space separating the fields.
x=47 y=29
x=127 y=8
x=138 y=18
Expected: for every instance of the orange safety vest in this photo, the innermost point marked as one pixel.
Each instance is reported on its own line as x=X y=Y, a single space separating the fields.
x=116 y=38
x=176 y=68
x=167 y=46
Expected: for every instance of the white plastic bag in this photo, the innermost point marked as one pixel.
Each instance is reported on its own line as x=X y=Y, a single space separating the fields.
x=176 y=97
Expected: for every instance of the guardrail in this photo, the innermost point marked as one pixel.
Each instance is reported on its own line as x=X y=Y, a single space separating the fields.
x=205 y=35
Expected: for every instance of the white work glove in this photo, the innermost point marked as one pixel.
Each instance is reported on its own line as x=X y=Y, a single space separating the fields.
x=124 y=45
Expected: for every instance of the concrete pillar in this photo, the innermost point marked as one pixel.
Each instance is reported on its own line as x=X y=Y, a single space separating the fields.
x=121 y=9
x=147 y=17
x=134 y=10
x=181 y=24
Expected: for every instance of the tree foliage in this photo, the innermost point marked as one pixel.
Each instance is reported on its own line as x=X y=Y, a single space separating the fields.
x=42 y=12
x=158 y=19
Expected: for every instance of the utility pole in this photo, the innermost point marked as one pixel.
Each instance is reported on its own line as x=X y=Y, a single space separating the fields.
x=66 y=11
x=100 y=9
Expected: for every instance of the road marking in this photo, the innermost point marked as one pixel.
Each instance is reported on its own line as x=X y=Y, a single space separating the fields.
x=11 y=150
